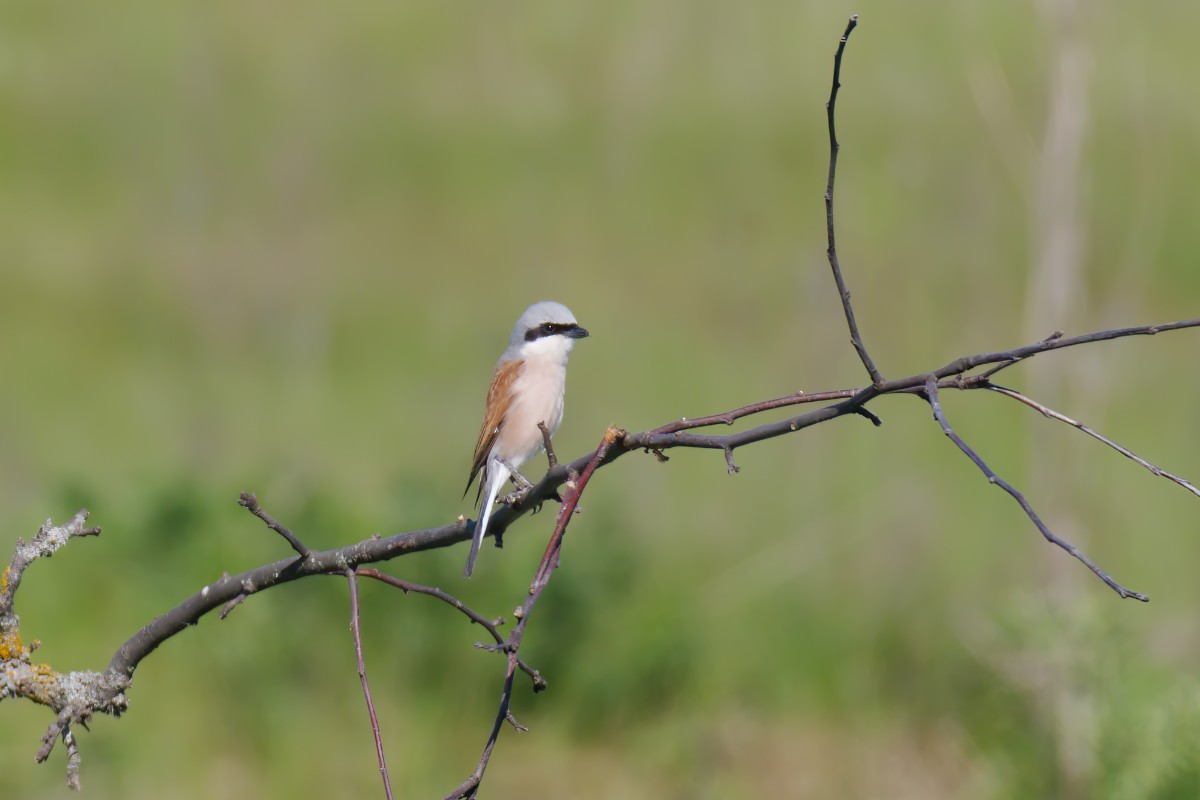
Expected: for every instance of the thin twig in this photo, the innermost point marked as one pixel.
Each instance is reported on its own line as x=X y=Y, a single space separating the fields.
x=492 y=626
x=250 y=503
x=228 y=608
x=547 y=444
x=45 y=543
x=931 y=391
x=834 y=147
x=541 y=579
x=366 y=687
x=1052 y=414
x=729 y=417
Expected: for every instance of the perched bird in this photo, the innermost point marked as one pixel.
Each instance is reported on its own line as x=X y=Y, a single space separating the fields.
x=527 y=388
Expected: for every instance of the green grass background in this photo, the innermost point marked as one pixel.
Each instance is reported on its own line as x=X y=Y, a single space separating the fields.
x=278 y=246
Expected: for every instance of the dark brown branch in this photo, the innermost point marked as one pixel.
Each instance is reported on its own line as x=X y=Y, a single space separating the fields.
x=1052 y=414
x=249 y=502
x=76 y=696
x=104 y=692
x=366 y=686
x=931 y=391
x=492 y=626
x=834 y=147
x=729 y=417
x=375 y=549
x=541 y=579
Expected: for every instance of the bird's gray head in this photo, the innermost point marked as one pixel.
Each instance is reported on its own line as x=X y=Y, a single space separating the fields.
x=546 y=326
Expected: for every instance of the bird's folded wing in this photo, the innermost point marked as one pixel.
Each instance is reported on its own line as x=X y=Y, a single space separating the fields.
x=499 y=400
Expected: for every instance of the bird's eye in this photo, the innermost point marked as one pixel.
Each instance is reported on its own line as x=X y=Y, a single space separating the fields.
x=547 y=327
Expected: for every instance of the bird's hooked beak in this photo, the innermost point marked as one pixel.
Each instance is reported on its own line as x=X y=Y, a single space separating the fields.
x=576 y=332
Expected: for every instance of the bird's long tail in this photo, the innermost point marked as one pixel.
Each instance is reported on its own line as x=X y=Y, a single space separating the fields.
x=497 y=474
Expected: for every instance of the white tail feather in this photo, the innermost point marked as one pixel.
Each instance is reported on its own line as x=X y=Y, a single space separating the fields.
x=497 y=474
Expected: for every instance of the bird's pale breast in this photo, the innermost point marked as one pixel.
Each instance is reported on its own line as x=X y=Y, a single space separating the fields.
x=538 y=397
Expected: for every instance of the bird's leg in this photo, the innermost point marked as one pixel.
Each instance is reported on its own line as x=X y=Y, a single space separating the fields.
x=520 y=481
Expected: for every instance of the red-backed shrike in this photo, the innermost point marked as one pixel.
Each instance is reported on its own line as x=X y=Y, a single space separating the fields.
x=527 y=388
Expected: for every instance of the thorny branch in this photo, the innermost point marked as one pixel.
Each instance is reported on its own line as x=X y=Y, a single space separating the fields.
x=76 y=696
x=492 y=626
x=541 y=579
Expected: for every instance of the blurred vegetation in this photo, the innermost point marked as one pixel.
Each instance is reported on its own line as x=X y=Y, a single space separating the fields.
x=278 y=246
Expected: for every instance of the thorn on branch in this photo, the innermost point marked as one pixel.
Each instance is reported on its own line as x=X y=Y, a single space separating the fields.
x=863 y=412
x=232 y=604
x=730 y=467
x=553 y=459
x=248 y=501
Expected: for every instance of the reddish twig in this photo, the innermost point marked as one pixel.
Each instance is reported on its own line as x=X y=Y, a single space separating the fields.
x=541 y=579
x=1052 y=414
x=931 y=392
x=492 y=626
x=366 y=687
x=729 y=417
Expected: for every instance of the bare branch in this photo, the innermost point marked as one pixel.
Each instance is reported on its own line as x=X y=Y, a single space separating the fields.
x=931 y=391
x=45 y=543
x=541 y=579
x=250 y=503
x=834 y=147
x=492 y=626
x=1052 y=414
x=366 y=687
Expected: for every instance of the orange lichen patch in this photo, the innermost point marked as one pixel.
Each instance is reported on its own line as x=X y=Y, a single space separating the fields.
x=45 y=682
x=36 y=682
x=4 y=578
x=11 y=648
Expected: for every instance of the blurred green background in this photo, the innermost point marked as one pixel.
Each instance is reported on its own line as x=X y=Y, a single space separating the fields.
x=278 y=247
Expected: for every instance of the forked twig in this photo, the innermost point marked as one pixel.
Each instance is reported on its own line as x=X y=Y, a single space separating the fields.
x=541 y=579
x=1052 y=414
x=931 y=395
x=492 y=626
